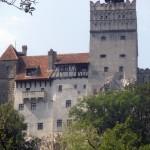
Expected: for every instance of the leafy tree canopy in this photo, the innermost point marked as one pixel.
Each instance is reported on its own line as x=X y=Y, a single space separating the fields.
x=121 y=117
x=12 y=126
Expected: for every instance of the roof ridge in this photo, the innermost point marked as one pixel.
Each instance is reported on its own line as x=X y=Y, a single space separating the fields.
x=9 y=54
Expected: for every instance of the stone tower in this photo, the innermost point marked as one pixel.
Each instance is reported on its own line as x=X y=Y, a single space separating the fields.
x=113 y=43
x=8 y=68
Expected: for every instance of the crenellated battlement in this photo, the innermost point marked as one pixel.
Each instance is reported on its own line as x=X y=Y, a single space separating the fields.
x=113 y=6
x=113 y=16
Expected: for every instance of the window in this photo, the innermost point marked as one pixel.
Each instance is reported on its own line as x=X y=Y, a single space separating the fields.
x=60 y=88
x=59 y=123
x=121 y=68
x=123 y=37
x=27 y=89
x=69 y=122
x=68 y=103
x=84 y=86
x=122 y=55
x=40 y=126
x=33 y=106
x=103 y=38
x=21 y=106
x=106 y=69
x=40 y=99
x=75 y=86
x=31 y=71
x=42 y=89
x=103 y=56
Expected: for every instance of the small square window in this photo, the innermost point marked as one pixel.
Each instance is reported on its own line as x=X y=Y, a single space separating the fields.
x=21 y=107
x=103 y=38
x=75 y=86
x=121 y=69
x=60 y=88
x=106 y=69
x=123 y=37
x=33 y=106
x=84 y=86
x=68 y=103
x=103 y=56
x=27 y=89
x=59 y=123
x=122 y=55
x=40 y=126
x=42 y=89
x=40 y=99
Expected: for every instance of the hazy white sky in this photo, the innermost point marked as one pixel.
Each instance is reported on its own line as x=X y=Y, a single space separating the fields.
x=64 y=26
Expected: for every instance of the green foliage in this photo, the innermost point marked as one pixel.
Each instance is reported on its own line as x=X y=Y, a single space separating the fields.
x=121 y=137
x=109 y=112
x=11 y=126
x=12 y=136
x=80 y=137
x=145 y=147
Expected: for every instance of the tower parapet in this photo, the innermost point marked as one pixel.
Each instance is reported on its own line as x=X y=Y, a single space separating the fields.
x=113 y=16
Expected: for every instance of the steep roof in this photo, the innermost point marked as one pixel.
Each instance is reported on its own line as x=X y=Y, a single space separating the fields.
x=9 y=54
x=26 y=62
x=33 y=62
x=72 y=58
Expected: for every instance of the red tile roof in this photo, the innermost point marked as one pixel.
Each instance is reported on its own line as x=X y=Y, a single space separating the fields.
x=73 y=58
x=31 y=62
x=42 y=62
x=9 y=54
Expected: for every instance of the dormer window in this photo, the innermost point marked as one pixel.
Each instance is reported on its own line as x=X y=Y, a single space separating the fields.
x=32 y=71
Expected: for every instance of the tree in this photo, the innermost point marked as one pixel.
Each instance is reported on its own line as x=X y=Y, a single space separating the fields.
x=12 y=126
x=80 y=136
x=110 y=110
x=121 y=137
x=25 y=5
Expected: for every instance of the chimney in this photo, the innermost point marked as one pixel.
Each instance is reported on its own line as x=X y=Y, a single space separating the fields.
x=52 y=55
x=24 y=49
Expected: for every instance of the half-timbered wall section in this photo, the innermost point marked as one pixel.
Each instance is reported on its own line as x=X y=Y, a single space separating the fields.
x=66 y=71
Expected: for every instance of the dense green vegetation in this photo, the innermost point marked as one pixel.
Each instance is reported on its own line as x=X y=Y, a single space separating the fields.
x=12 y=135
x=116 y=120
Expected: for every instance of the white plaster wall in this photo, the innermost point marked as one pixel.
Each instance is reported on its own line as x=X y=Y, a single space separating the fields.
x=68 y=93
x=42 y=114
x=53 y=108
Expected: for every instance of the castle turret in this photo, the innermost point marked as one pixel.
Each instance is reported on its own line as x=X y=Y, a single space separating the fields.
x=8 y=69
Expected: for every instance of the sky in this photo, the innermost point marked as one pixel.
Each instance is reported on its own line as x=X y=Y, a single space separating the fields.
x=63 y=26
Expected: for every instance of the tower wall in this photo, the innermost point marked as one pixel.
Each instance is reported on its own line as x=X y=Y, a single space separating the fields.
x=113 y=43
x=7 y=80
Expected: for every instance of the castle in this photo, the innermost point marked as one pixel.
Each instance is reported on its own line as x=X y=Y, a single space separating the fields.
x=44 y=88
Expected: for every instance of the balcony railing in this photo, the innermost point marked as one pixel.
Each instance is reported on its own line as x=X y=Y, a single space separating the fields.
x=34 y=94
